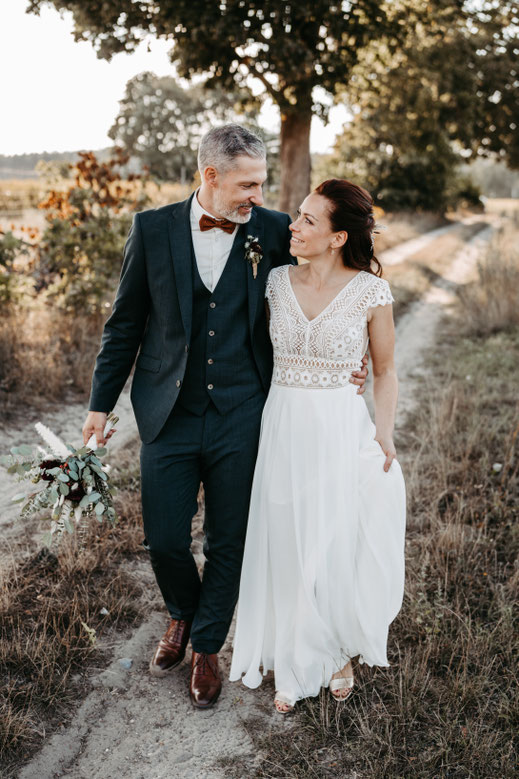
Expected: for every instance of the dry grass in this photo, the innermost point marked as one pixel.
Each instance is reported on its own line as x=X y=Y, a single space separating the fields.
x=16 y=195
x=45 y=355
x=491 y=303
x=50 y=601
x=447 y=707
x=401 y=226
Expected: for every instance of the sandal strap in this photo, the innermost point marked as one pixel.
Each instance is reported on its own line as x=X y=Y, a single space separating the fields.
x=342 y=683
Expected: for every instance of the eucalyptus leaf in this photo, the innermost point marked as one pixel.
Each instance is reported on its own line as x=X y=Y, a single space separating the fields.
x=18 y=497
x=12 y=468
x=82 y=451
x=85 y=500
x=64 y=488
x=74 y=475
x=96 y=461
x=25 y=449
x=63 y=476
x=94 y=496
x=54 y=471
x=53 y=493
x=99 y=509
x=100 y=452
x=14 y=450
x=5 y=459
x=68 y=525
x=80 y=465
x=27 y=466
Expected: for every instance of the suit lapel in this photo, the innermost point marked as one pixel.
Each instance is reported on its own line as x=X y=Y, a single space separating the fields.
x=181 y=247
x=255 y=286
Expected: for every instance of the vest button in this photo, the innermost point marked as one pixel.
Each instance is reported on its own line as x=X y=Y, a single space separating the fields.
x=211 y=332
x=210 y=386
x=178 y=382
x=212 y=305
x=210 y=361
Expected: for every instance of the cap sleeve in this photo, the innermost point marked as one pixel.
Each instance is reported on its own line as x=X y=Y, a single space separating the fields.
x=271 y=282
x=380 y=293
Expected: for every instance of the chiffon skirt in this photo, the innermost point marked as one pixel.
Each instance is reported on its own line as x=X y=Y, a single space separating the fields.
x=323 y=568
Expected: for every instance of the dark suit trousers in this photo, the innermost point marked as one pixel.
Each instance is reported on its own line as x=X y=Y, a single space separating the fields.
x=220 y=451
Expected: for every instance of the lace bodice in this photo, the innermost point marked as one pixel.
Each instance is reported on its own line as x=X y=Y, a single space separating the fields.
x=322 y=352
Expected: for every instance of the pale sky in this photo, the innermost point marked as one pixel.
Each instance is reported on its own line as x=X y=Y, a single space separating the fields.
x=57 y=96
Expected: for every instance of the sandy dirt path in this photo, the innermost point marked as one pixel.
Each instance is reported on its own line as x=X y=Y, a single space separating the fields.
x=131 y=726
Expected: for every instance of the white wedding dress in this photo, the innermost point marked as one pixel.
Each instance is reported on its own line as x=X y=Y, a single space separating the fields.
x=323 y=569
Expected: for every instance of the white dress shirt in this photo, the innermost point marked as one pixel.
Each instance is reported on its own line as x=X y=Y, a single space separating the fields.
x=212 y=247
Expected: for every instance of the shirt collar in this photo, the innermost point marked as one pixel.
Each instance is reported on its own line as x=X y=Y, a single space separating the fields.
x=197 y=210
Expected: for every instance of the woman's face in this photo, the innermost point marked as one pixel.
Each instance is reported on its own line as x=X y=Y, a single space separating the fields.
x=312 y=235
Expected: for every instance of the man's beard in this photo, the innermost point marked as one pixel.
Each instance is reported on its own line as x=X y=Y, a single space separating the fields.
x=233 y=214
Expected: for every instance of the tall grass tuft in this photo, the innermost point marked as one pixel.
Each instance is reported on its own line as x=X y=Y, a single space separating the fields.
x=491 y=303
x=45 y=356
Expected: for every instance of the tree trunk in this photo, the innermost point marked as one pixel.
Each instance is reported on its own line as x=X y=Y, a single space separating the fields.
x=295 y=160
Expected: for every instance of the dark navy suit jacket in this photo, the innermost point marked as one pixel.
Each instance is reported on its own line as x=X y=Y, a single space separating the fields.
x=152 y=312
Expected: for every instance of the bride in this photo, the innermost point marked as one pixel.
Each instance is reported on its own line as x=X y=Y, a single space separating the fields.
x=323 y=570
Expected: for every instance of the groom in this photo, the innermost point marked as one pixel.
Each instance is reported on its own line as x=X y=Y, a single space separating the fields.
x=190 y=307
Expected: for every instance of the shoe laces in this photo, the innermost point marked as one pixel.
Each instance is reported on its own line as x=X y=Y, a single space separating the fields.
x=203 y=662
x=177 y=633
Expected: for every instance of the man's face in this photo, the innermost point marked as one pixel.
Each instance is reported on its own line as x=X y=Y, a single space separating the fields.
x=239 y=189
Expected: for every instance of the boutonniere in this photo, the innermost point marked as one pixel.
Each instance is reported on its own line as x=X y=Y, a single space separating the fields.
x=253 y=253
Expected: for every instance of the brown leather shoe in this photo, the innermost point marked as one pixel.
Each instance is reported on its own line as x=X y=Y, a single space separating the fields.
x=205 y=682
x=171 y=648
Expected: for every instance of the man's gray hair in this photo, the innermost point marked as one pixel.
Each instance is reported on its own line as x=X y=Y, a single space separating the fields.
x=221 y=145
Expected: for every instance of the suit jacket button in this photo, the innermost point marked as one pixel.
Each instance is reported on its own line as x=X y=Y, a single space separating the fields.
x=212 y=305
x=178 y=382
x=211 y=332
x=210 y=386
x=210 y=361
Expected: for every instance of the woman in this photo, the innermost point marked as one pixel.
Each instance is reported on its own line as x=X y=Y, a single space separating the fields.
x=323 y=569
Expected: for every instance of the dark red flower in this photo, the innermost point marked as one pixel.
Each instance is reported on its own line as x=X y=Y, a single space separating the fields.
x=76 y=493
x=45 y=466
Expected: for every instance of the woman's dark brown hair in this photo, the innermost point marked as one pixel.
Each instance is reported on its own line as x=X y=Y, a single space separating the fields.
x=351 y=209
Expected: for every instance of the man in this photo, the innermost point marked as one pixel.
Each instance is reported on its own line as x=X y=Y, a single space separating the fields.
x=190 y=302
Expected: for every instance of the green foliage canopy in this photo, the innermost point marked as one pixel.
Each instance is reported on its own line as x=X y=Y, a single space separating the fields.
x=161 y=123
x=449 y=94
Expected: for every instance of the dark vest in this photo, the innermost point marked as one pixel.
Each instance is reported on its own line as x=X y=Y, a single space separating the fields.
x=220 y=366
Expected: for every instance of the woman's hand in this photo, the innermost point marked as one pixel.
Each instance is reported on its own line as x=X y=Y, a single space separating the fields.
x=388 y=447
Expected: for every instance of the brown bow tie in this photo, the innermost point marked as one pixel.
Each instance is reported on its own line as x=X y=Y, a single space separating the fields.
x=207 y=223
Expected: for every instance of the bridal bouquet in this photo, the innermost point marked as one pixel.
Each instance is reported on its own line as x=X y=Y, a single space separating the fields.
x=76 y=483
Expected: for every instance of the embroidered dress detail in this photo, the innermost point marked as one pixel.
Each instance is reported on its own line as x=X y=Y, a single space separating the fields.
x=321 y=353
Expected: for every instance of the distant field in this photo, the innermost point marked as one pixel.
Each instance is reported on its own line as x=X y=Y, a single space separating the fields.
x=17 y=196
x=502 y=205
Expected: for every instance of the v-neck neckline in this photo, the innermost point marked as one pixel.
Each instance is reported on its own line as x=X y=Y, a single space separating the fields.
x=325 y=309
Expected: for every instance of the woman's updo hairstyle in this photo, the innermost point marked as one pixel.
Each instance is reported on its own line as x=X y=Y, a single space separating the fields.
x=351 y=209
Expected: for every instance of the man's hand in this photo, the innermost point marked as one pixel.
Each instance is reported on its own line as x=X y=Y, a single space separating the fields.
x=95 y=423
x=359 y=377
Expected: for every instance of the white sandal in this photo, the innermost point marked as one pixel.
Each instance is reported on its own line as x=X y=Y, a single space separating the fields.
x=281 y=697
x=341 y=683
